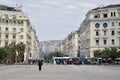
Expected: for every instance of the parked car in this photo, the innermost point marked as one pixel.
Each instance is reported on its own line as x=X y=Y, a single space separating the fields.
x=117 y=61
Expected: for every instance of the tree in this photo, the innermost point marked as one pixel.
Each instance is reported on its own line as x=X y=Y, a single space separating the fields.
x=20 y=47
x=12 y=51
x=97 y=53
x=7 y=54
x=113 y=53
x=118 y=54
x=105 y=53
x=46 y=58
x=2 y=55
x=51 y=55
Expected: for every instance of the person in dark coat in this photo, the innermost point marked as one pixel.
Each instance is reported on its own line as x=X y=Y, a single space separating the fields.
x=40 y=63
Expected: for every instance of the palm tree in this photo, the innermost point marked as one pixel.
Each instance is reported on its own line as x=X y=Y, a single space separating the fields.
x=7 y=54
x=12 y=51
x=20 y=49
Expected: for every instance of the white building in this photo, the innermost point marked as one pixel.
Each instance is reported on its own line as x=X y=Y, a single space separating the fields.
x=15 y=27
x=71 y=44
x=100 y=29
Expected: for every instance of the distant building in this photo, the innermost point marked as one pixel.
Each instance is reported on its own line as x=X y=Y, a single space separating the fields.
x=100 y=29
x=70 y=43
x=16 y=27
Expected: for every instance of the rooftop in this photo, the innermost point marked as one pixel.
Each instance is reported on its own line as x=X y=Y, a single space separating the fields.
x=109 y=6
x=4 y=7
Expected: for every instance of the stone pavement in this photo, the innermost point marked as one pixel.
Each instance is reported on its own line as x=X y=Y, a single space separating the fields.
x=59 y=72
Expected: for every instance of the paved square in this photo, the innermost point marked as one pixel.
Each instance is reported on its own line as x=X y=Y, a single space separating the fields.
x=59 y=72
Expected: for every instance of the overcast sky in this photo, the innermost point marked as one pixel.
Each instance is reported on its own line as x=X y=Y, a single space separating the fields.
x=55 y=19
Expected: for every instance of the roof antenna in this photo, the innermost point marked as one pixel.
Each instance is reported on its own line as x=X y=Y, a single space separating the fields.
x=18 y=4
x=101 y=5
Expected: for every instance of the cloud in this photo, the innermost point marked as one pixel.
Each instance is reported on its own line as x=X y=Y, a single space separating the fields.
x=8 y=2
x=51 y=2
x=87 y=5
x=71 y=7
x=34 y=5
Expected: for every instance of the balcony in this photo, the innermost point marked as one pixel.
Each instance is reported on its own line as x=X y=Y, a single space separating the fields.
x=104 y=36
x=96 y=37
x=6 y=31
x=112 y=45
x=14 y=40
x=14 y=32
x=6 y=39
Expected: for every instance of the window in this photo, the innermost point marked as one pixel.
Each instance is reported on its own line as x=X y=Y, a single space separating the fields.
x=97 y=16
x=114 y=14
x=21 y=29
x=105 y=25
x=119 y=23
x=14 y=16
x=21 y=23
x=105 y=32
x=6 y=43
x=14 y=22
x=97 y=33
x=6 y=29
x=6 y=36
x=97 y=42
x=118 y=33
x=104 y=41
x=21 y=36
x=6 y=22
x=14 y=36
x=113 y=33
x=97 y=25
x=113 y=24
x=14 y=29
x=104 y=15
x=111 y=14
x=113 y=41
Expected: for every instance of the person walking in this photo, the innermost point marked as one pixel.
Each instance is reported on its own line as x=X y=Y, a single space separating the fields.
x=40 y=63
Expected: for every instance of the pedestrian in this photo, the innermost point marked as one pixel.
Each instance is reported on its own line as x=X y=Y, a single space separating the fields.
x=40 y=63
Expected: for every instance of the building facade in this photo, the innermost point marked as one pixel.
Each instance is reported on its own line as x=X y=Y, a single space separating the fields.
x=100 y=29
x=16 y=27
x=70 y=43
